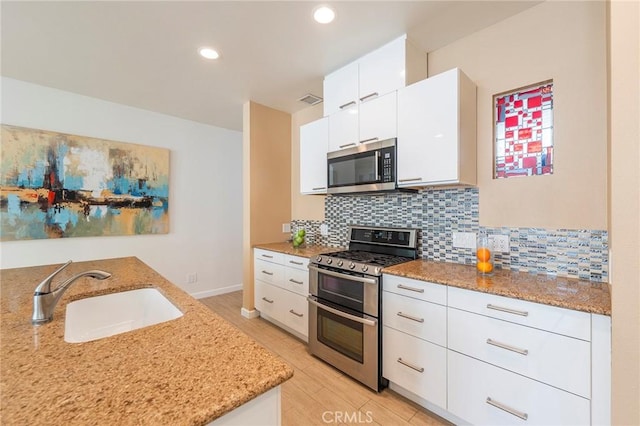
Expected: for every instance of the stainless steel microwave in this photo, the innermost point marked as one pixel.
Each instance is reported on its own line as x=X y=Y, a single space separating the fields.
x=363 y=168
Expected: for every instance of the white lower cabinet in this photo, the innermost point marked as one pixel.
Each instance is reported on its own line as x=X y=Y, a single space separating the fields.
x=281 y=286
x=483 y=394
x=416 y=365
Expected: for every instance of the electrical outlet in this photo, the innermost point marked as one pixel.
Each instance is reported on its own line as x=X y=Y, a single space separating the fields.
x=286 y=228
x=500 y=243
x=464 y=240
x=324 y=230
x=192 y=278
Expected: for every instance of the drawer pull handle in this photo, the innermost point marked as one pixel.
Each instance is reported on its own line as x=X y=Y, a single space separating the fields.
x=317 y=188
x=267 y=272
x=523 y=416
x=368 y=140
x=348 y=104
x=409 y=179
x=295 y=281
x=507 y=347
x=417 y=290
x=267 y=300
x=507 y=310
x=412 y=318
x=267 y=256
x=405 y=363
x=364 y=98
x=296 y=263
x=295 y=313
x=346 y=145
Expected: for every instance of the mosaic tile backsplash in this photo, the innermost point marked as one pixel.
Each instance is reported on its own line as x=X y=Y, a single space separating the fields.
x=439 y=213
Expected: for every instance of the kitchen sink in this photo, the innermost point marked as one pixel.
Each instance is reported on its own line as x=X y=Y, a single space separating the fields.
x=98 y=317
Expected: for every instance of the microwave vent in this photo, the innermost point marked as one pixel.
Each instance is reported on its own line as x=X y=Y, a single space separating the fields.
x=310 y=99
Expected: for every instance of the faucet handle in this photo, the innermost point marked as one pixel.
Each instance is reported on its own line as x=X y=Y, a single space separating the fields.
x=45 y=286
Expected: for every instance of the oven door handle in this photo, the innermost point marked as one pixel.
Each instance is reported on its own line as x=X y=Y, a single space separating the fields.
x=345 y=276
x=339 y=313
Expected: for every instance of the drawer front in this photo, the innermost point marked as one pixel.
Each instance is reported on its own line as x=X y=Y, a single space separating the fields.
x=557 y=360
x=297 y=280
x=269 y=256
x=269 y=299
x=421 y=319
x=473 y=382
x=422 y=290
x=402 y=358
x=296 y=313
x=296 y=262
x=268 y=272
x=557 y=320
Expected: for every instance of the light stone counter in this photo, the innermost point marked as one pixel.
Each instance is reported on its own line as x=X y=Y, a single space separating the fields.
x=580 y=295
x=188 y=371
x=307 y=251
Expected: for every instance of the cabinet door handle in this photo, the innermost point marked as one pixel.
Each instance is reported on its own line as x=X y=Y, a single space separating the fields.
x=412 y=318
x=369 y=140
x=523 y=416
x=267 y=256
x=296 y=263
x=348 y=104
x=409 y=179
x=317 y=188
x=372 y=95
x=346 y=145
x=267 y=272
x=508 y=347
x=507 y=310
x=295 y=313
x=267 y=300
x=405 y=363
x=295 y=282
x=417 y=290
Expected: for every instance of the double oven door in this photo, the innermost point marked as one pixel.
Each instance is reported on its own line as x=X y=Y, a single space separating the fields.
x=344 y=328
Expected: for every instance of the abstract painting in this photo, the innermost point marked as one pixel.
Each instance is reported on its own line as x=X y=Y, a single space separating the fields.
x=56 y=185
x=523 y=130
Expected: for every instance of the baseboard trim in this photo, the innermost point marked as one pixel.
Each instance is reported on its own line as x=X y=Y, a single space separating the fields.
x=254 y=313
x=216 y=291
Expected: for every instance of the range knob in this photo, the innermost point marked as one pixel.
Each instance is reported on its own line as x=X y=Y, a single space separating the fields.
x=377 y=270
x=329 y=261
x=364 y=268
x=340 y=262
x=352 y=265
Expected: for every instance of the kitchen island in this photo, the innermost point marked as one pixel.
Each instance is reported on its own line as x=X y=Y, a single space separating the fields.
x=187 y=371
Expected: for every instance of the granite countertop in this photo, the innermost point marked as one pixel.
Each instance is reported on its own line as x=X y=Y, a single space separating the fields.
x=580 y=295
x=188 y=371
x=304 y=251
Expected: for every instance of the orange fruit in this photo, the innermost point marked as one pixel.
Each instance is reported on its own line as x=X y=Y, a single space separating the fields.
x=484 y=267
x=483 y=254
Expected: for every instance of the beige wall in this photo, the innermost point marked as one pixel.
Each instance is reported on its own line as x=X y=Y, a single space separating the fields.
x=266 y=155
x=566 y=42
x=624 y=115
x=304 y=207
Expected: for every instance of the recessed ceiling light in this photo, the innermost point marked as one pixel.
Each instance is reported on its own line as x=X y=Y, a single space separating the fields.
x=324 y=14
x=209 y=53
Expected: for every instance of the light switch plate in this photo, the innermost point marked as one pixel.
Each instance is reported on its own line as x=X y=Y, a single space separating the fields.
x=324 y=230
x=464 y=240
x=286 y=228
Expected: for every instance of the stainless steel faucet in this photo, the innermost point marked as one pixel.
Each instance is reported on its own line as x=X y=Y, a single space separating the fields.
x=45 y=300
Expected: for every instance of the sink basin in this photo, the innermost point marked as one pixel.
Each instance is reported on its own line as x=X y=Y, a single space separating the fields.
x=97 y=317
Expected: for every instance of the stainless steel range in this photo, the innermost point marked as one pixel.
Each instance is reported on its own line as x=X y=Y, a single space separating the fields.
x=345 y=300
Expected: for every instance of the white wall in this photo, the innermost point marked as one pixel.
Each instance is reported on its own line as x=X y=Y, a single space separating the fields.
x=205 y=201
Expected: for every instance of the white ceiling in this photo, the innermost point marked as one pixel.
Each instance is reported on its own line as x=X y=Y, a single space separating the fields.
x=144 y=53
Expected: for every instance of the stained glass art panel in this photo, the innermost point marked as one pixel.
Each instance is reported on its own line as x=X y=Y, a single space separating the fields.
x=523 y=131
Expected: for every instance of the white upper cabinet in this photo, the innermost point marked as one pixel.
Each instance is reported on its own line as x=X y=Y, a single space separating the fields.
x=437 y=131
x=314 y=142
x=341 y=89
x=360 y=99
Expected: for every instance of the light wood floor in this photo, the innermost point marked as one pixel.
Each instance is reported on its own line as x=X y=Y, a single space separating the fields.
x=318 y=394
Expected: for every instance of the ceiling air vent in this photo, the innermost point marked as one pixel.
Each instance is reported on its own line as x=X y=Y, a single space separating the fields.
x=310 y=99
